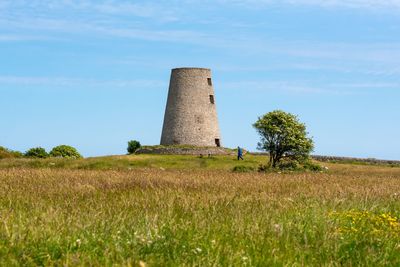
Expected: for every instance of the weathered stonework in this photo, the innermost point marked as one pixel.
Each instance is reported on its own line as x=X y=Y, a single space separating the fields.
x=191 y=114
x=194 y=151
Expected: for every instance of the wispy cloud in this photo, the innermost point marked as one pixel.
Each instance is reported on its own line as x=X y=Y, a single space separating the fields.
x=106 y=29
x=152 y=10
x=292 y=87
x=82 y=20
x=353 y=4
x=78 y=83
x=348 y=52
x=145 y=10
x=309 y=87
x=23 y=37
x=310 y=66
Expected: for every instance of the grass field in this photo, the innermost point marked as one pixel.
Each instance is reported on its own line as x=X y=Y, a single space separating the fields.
x=189 y=211
x=136 y=161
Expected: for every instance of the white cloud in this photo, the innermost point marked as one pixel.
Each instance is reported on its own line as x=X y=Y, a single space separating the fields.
x=101 y=29
x=358 y=4
x=292 y=87
x=155 y=11
x=310 y=87
x=44 y=23
x=369 y=4
x=22 y=37
x=168 y=8
x=78 y=83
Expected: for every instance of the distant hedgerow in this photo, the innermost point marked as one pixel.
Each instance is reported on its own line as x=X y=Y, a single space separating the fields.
x=8 y=153
x=64 y=151
x=37 y=152
x=312 y=166
x=292 y=166
x=242 y=168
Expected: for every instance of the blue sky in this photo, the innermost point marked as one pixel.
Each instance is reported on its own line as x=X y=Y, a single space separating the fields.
x=94 y=73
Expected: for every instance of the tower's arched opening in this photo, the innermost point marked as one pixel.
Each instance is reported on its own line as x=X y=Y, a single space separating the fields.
x=218 y=142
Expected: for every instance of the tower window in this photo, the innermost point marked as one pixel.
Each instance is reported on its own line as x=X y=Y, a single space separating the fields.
x=212 y=101
x=209 y=81
x=217 y=142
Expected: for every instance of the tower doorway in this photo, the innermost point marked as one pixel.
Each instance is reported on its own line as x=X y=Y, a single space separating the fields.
x=218 y=142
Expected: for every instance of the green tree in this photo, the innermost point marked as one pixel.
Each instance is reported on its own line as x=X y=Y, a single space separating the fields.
x=133 y=145
x=36 y=152
x=65 y=151
x=283 y=137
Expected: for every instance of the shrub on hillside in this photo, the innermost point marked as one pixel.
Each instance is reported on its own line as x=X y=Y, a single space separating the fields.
x=311 y=166
x=292 y=166
x=242 y=168
x=8 y=153
x=289 y=165
x=36 y=152
x=64 y=151
x=263 y=168
x=133 y=145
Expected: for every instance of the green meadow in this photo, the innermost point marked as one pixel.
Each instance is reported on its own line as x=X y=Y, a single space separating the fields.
x=153 y=210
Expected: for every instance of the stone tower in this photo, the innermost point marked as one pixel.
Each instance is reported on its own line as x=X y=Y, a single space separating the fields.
x=191 y=114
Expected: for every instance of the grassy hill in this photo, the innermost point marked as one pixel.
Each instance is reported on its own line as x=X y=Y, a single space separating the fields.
x=189 y=211
x=128 y=162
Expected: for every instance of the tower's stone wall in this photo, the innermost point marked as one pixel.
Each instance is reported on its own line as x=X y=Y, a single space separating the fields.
x=191 y=114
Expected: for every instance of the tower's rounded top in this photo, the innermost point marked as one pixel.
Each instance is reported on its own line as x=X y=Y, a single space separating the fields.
x=191 y=68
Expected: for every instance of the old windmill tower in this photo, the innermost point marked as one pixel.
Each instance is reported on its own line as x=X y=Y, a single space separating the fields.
x=191 y=114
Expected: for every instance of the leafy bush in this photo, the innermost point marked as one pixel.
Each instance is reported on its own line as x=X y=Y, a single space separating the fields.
x=290 y=165
x=65 y=151
x=17 y=154
x=7 y=153
x=311 y=166
x=133 y=145
x=36 y=152
x=263 y=168
x=242 y=168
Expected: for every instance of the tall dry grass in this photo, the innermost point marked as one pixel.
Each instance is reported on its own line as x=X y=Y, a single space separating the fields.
x=195 y=217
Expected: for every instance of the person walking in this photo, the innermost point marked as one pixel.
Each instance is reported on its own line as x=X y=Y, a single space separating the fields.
x=240 y=153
